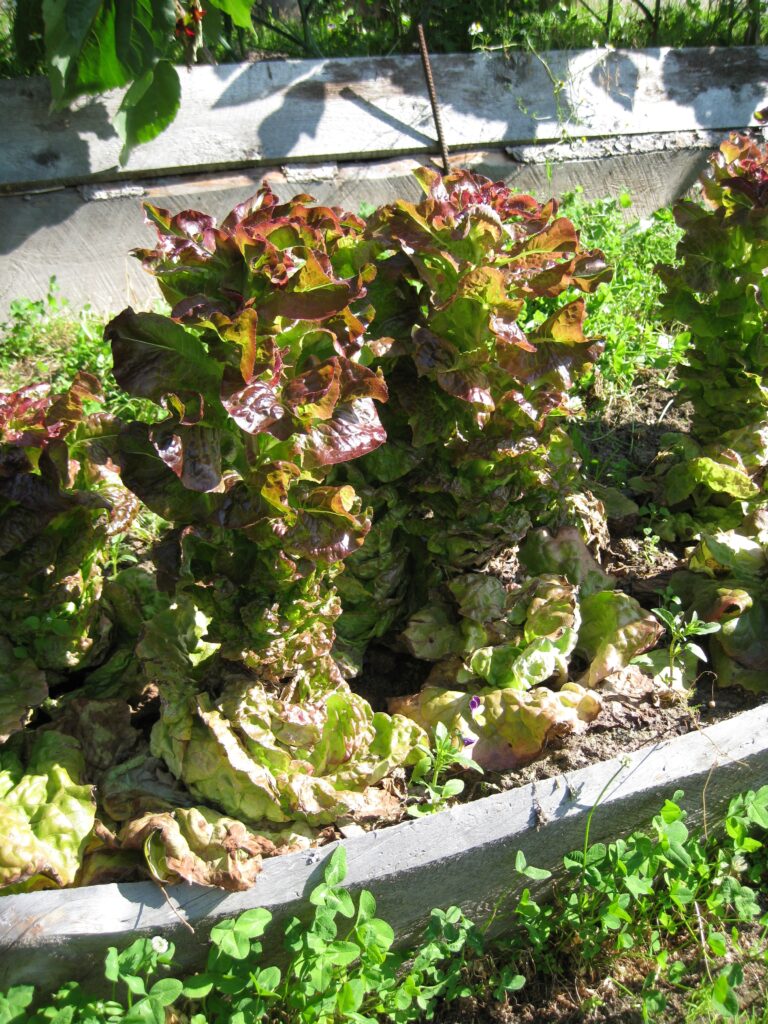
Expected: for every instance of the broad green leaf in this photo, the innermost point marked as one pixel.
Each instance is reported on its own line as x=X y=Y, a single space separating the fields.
x=341 y=954
x=166 y=991
x=718 y=943
x=268 y=979
x=238 y=10
x=724 y=999
x=366 y=907
x=230 y=941
x=147 y=111
x=252 y=923
x=351 y=995
x=153 y=356
x=335 y=870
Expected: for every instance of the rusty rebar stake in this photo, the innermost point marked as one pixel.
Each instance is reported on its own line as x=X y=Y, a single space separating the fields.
x=433 y=98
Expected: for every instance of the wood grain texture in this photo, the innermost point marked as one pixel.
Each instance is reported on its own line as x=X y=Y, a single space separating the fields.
x=462 y=856
x=346 y=109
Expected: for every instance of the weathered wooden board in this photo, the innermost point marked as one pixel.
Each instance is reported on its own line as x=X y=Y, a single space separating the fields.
x=344 y=109
x=84 y=236
x=462 y=856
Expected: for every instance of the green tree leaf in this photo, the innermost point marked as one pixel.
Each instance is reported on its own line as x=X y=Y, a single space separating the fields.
x=148 y=107
x=238 y=10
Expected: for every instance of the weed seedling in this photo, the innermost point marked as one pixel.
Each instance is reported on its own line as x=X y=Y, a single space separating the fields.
x=681 y=632
x=431 y=767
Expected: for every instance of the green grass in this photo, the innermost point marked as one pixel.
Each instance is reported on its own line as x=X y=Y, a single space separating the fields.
x=625 y=312
x=340 y=29
x=337 y=28
x=46 y=341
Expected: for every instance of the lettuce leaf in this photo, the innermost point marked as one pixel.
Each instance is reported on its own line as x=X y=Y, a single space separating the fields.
x=47 y=814
x=258 y=756
x=502 y=729
x=614 y=630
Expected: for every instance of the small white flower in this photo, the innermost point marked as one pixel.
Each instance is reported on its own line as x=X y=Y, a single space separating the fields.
x=475 y=29
x=159 y=944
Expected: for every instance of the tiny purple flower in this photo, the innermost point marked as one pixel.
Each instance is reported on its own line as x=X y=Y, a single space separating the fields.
x=474 y=703
x=467 y=741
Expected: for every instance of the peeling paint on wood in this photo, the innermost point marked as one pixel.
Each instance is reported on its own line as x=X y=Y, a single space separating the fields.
x=277 y=112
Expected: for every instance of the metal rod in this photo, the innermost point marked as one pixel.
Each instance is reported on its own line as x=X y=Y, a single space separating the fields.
x=433 y=98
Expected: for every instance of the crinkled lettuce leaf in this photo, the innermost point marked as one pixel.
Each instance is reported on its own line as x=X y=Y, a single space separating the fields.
x=614 y=629
x=47 y=814
x=261 y=757
x=517 y=638
x=196 y=844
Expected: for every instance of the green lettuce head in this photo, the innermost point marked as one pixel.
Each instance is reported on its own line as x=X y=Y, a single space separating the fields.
x=47 y=814
x=260 y=757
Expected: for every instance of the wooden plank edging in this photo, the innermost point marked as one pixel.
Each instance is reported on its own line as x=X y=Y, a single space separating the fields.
x=272 y=112
x=463 y=856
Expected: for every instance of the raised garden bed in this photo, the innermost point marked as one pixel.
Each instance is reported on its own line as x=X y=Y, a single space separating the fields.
x=261 y=451
x=463 y=856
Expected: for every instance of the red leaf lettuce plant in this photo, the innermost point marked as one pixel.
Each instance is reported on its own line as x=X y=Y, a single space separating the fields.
x=479 y=357
x=60 y=502
x=267 y=459
x=261 y=371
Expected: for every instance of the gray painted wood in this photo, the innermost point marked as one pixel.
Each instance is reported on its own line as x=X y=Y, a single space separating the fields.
x=84 y=236
x=462 y=856
x=361 y=108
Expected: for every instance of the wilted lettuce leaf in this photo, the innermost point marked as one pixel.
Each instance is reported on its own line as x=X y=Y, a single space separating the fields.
x=139 y=785
x=46 y=813
x=102 y=728
x=502 y=729
x=614 y=629
x=198 y=845
x=479 y=596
